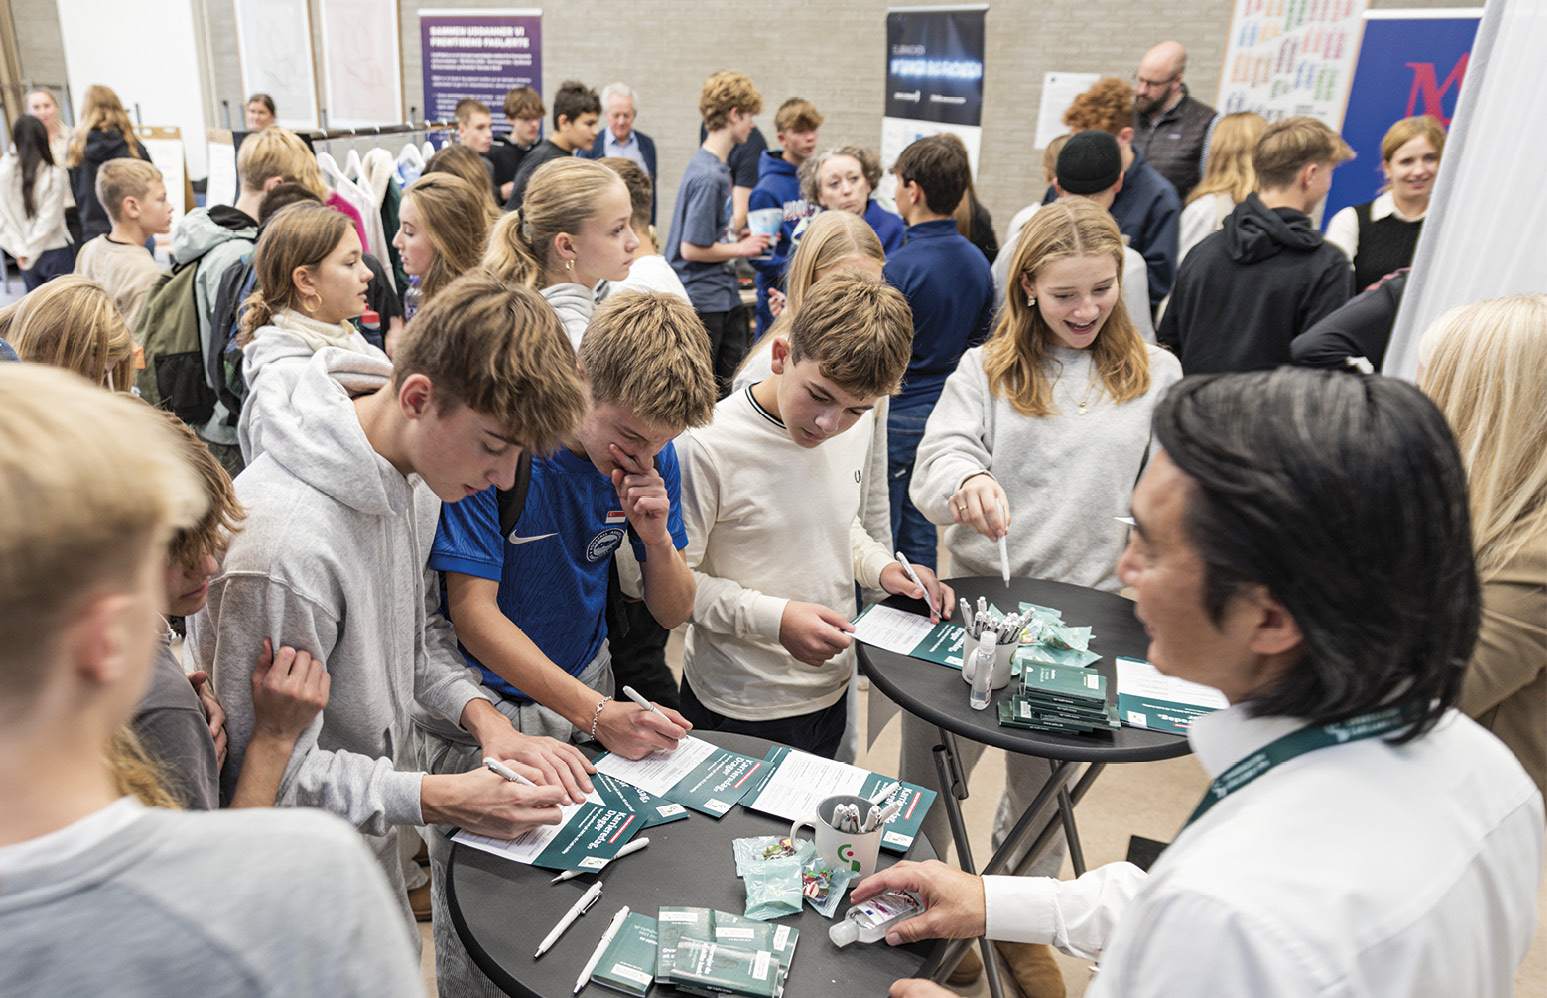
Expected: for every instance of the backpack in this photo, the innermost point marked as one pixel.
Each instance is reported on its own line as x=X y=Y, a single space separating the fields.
x=223 y=359
x=168 y=330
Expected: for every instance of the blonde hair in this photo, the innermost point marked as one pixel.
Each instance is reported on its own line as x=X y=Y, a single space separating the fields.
x=123 y=178
x=279 y=152
x=500 y=350
x=1287 y=145
x=1485 y=374
x=223 y=514
x=562 y=196
x=830 y=238
x=459 y=161
x=1050 y=156
x=1107 y=106
x=797 y=115
x=1018 y=356
x=135 y=774
x=91 y=486
x=71 y=322
x=963 y=213
x=858 y=330
x=456 y=217
x=298 y=235
x=724 y=92
x=1406 y=130
x=648 y=351
x=1230 y=157
x=101 y=111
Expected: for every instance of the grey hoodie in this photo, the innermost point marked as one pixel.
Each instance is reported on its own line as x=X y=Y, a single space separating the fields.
x=213 y=238
x=331 y=560
x=272 y=361
x=575 y=304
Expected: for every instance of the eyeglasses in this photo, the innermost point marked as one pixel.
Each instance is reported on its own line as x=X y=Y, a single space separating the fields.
x=1140 y=81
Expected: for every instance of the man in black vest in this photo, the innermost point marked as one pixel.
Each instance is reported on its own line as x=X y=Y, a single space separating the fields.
x=1169 y=126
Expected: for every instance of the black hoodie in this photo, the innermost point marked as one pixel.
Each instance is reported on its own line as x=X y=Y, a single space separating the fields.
x=101 y=146
x=1244 y=292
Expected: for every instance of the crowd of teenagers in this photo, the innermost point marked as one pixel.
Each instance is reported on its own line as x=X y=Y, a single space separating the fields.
x=410 y=535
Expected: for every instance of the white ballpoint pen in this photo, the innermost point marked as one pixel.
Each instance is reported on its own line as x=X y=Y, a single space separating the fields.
x=575 y=911
x=634 y=695
x=1004 y=556
x=601 y=947
x=886 y=792
x=907 y=567
x=633 y=846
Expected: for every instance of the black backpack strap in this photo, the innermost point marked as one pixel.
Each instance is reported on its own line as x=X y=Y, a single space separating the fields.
x=512 y=501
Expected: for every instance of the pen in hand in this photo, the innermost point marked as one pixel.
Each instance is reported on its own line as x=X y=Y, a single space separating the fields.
x=497 y=767
x=634 y=695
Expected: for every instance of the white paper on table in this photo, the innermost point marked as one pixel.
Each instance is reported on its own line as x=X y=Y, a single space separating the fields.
x=802 y=781
x=658 y=772
x=1140 y=679
x=527 y=846
x=1059 y=91
x=892 y=629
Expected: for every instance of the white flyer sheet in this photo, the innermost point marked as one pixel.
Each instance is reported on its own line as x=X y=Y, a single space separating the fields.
x=658 y=772
x=894 y=630
x=802 y=780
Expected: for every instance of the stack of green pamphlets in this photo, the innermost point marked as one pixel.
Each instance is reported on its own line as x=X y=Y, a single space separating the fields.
x=628 y=963
x=714 y=953
x=1065 y=699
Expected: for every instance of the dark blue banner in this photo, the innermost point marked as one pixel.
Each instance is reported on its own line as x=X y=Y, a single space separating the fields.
x=934 y=65
x=1406 y=66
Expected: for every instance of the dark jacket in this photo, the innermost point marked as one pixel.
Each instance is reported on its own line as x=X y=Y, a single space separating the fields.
x=646 y=149
x=100 y=147
x=506 y=157
x=1249 y=289
x=951 y=292
x=1362 y=328
x=981 y=229
x=541 y=153
x=1174 y=144
x=778 y=186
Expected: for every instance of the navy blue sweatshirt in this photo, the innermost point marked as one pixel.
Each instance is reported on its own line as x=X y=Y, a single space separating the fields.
x=951 y=291
x=778 y=186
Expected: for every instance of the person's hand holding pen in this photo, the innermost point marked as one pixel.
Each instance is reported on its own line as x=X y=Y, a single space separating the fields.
x=895 y=580
x=813 y=633
x=634 y=731
x=642 y=492
x=976 y=506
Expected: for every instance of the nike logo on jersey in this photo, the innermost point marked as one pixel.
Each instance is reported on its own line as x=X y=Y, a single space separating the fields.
x=527 y=540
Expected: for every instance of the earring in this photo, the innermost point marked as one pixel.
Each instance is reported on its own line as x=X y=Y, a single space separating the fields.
x=1030 y=302
x=569 y=264
x=306 y=302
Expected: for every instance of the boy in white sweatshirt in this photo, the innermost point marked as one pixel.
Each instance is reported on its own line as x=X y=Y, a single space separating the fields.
x=771 y=502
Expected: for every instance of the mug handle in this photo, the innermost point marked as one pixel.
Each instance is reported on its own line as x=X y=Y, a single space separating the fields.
x=796 y=825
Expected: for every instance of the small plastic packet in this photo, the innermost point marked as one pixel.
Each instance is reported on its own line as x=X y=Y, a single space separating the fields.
x=761 y=848
x=1065 y=637
x=773 y=888
x=1040 y=654
x=824 y=887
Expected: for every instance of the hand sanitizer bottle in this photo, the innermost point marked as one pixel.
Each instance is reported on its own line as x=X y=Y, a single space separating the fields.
x=869 y=921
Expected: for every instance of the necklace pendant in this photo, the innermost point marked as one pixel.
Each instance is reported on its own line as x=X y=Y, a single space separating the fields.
x=1082 y=408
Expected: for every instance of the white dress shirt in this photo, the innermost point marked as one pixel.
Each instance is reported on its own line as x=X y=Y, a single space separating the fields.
x=1343 y=230
x=1358 y=869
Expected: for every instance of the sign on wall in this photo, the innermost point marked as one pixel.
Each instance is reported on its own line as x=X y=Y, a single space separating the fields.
x=478 y=54
x=1291 y=57
x=362 y=72
x=1412 y=62
x=274 y=43
x=934 y=79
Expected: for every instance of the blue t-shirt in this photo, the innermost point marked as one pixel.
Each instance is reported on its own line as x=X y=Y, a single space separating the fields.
x=552 y=570
x=700 y=215
x=951 y=291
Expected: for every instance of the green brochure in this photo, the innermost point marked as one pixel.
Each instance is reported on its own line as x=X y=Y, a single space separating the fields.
x=587 y=836
x=724 y=969
x=910 y=634
x=628 y=962
x=672 y=925
x=1066 y=683
x=652 y=810
x=718 y=783
x=801 y=780
x=1148 y=699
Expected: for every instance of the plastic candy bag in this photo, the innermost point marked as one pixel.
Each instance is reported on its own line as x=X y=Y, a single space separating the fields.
x=773 y=888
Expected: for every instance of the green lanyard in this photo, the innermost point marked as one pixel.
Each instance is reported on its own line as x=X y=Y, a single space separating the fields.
x=1296 y=743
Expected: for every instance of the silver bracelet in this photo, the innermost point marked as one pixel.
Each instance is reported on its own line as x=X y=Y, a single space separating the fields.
x=596 y=718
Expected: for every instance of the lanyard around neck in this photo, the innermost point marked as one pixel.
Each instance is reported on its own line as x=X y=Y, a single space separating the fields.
x=1297 y=743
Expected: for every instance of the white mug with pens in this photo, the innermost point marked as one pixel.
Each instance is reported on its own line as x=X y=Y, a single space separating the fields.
x=848 y=831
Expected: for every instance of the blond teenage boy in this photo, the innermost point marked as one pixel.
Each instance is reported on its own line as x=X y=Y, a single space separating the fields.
x=772 y=508
x=341 y=512
x=135 y=198
x=101 y=894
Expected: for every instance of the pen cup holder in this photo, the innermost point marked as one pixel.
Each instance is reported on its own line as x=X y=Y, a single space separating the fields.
x=1004 y=654
x=839 y=849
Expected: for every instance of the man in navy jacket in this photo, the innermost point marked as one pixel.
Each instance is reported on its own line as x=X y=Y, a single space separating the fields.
x=621 y=138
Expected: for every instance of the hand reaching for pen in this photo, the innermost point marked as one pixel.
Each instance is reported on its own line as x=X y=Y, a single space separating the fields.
x=813 y=633
x=642 y=491
x=976 y=506
x=894 y=579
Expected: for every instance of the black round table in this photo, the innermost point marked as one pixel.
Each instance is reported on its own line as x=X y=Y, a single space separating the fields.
x=502 y=909
x=937 y=694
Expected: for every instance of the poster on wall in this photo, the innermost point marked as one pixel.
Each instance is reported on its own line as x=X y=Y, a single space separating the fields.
x=478 y=54
x=934 y=80
x=274 y=46
x=1411 y=62
x=362 y=73
x=1291 y=57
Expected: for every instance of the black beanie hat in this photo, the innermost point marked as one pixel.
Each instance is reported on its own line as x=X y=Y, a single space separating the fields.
x=1089 y=162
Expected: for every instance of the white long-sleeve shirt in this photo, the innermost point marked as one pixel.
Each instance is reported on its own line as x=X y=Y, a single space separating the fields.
x=769 y=521
x=1355 y=870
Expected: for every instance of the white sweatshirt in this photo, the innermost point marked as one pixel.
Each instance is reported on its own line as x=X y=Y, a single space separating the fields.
x=1066 y=476
x=769 y=521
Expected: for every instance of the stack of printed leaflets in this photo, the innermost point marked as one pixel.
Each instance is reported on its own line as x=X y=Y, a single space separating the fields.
x=695 y=774
x=628 y=962
x=706 y=952
x=1064 y=699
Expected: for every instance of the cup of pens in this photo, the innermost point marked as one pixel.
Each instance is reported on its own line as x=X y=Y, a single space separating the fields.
x=848 y=834
x=987 y=650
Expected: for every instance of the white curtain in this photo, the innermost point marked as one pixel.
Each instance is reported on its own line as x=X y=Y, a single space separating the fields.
x=1486 y=232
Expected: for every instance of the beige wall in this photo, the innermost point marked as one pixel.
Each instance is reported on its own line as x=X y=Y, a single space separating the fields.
x=828 y=51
